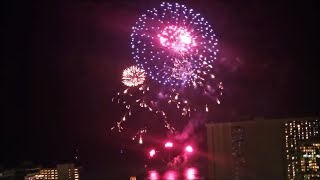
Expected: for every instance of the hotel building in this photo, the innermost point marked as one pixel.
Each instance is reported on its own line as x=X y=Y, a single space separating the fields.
x=263 y=148
x=61 y=172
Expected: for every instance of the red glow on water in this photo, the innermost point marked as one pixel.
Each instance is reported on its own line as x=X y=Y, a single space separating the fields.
x=191 y=173
x=170 y=175
x=152 y=153
x=153 y=175
x=189 y=149
x=168 y=145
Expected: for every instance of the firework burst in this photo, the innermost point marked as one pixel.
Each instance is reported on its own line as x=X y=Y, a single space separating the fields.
x=175 y=45
x=175 y=49
x=133 y=76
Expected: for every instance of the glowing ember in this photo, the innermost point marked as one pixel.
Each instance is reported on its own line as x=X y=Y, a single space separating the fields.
x=152 y=153
x=168 y=145
x=189 y=149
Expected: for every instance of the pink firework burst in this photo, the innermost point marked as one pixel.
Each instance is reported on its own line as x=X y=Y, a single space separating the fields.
x=177 y=38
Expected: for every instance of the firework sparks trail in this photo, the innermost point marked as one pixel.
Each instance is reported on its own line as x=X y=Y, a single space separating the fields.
x=139 y=135
x=139 y=97
x=127 y=100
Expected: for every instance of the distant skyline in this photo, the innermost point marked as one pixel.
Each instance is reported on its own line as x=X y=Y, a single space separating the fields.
x=62 y=61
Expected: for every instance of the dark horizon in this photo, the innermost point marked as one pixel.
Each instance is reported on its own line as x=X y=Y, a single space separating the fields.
x=62 y=62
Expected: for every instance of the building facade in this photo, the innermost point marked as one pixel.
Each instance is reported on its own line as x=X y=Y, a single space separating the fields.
x=297 y=135
x=61 y=172
x=260 y=148
x=309 y=157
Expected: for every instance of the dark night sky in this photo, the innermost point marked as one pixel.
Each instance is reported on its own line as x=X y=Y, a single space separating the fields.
x=61 y=63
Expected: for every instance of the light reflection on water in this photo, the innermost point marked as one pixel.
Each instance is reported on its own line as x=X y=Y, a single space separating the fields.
x=191 y=173
x=188 y=173
x=154 y=175
x=172 y=175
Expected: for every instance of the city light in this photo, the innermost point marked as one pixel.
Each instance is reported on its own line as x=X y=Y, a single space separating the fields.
x=189 y=149
x=168 y=145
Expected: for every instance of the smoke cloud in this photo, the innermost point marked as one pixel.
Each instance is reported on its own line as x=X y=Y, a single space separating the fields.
x=191 y=127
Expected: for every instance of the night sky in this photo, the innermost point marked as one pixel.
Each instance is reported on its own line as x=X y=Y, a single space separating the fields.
x=61 y=63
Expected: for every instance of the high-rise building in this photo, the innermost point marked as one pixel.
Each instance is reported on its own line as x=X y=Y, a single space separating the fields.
x=61 y=172
x=297 y=134
x=262 y=148
x=309 y=157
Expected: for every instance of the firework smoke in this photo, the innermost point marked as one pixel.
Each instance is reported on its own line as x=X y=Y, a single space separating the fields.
x=189 y=130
